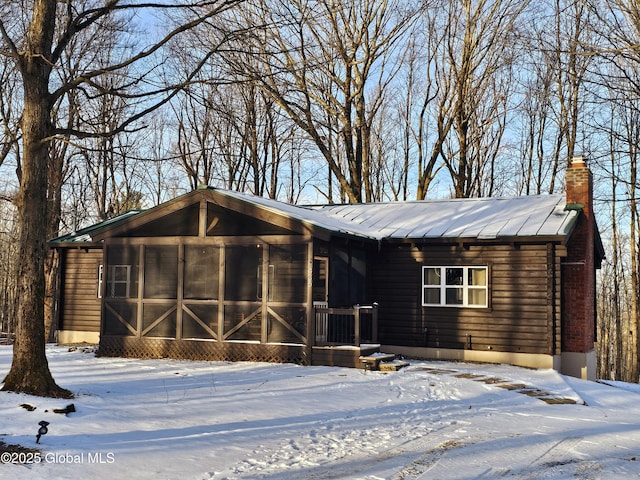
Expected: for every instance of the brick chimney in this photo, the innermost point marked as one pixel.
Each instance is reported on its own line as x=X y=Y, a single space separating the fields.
x=579 y=185
x=579 y=276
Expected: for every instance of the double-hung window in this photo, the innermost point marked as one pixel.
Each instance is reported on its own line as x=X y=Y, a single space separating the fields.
x=455 y=286
x=119 y=281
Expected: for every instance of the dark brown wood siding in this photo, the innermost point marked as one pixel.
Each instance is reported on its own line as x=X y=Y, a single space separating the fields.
x=80 y=305
x=523 y=312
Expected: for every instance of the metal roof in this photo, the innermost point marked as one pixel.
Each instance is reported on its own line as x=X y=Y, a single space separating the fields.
x=83 y=235
x=481 y=218
x=471 y=218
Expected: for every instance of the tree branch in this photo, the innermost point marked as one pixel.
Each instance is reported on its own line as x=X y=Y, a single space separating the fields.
x=84 y=78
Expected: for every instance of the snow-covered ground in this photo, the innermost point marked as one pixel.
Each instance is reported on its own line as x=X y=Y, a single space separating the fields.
x=169 y=419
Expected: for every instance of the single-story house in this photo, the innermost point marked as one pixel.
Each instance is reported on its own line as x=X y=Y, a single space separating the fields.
x=222 y=275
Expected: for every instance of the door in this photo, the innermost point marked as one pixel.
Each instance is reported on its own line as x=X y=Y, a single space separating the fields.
x=320 y=295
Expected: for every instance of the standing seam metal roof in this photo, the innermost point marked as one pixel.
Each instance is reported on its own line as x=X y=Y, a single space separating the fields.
x=480 y=218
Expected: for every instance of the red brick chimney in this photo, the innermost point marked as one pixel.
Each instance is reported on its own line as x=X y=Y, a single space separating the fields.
x=579 y=185
x=579 y=272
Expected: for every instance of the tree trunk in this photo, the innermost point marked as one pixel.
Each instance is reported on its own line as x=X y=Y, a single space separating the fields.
x=30 y=370
x=634 y=308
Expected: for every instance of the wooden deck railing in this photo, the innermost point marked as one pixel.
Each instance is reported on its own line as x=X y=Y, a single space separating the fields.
x=346 y=326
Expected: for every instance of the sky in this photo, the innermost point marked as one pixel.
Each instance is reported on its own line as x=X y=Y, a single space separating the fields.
x=172 y=419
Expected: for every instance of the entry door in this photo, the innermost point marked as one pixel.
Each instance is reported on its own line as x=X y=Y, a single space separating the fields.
x=321 y=295
x=320 y=280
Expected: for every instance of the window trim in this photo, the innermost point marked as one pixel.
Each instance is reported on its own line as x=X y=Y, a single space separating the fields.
x=465 y=287
x=100 y=279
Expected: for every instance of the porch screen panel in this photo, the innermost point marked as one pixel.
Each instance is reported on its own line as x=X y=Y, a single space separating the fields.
x=287 y=325
x=201 y=272
x=243 y=292
x=161 y=271
x=120 y=318
x=200 y=321
x=243 y=322
x=242 y=269
x=288 y=282
x=159 y=320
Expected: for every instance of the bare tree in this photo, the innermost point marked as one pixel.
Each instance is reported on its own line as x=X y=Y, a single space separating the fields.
x=36 y=50
x=424 y=106
x=536 y=112
x=475 y=66
x=327 y=65
x=615 y=45
x=567 y=54
x=8 y=260
x=9 y=111
x=160 y=179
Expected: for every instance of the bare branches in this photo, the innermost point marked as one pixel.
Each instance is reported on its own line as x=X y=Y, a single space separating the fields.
x=318 y=65
x=203 y=12
x=42 y=169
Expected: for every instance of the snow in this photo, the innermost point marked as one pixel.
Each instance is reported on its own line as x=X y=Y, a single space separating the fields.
x=171 y=419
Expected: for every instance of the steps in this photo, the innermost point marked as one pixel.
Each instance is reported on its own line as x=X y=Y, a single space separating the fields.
x=384 y=362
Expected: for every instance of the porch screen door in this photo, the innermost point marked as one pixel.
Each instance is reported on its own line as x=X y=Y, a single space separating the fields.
x=287 y=294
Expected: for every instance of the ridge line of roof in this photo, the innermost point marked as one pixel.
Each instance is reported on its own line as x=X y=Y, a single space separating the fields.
x=436 y=200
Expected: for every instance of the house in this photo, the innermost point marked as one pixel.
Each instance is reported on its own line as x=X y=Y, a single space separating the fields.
x=222 y=275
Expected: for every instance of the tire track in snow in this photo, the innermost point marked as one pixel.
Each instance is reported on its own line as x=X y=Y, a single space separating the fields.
x=558 y=453
x=561 y=456
x=426 y=462
x=332 y=452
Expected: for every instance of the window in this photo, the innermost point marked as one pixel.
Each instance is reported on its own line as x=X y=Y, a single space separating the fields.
x=119 y=281
x=455 y=286
x=121 y=271
x=100 y=270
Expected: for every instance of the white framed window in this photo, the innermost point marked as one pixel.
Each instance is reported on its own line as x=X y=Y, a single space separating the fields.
x=100 y=274
x=455 y=286
x=119 y=281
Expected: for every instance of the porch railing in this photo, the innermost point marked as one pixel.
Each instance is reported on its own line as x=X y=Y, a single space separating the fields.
x=346 y=326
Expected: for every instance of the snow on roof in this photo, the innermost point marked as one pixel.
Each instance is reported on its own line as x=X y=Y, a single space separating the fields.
x=478 y=218
x=481 y=218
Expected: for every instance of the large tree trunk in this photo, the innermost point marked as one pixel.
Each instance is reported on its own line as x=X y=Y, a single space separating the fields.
x=30 y=370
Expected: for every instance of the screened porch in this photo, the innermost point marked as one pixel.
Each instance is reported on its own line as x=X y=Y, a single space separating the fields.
x=253 y=292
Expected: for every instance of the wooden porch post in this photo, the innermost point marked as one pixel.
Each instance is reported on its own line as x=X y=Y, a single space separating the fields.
x=264 y=337
x=356 y=319
x=374 y=326
x=140 y=293
x=221 y=291
x=180 y=292
x=311 y=312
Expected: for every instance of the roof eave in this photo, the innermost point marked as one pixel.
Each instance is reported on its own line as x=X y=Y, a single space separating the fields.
x=504 y=240
x=71 y=244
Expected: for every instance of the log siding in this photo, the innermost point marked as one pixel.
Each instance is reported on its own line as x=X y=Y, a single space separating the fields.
x=80 y=306
x=523 y=308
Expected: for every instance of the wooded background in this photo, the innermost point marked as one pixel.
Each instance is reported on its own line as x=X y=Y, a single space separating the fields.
x=323 y=101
